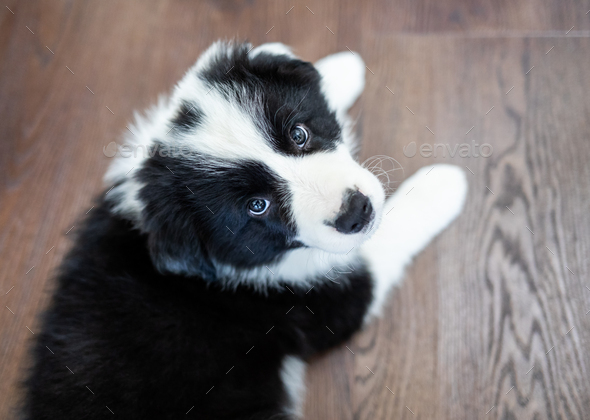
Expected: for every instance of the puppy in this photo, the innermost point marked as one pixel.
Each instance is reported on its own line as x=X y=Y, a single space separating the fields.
x=239 y=238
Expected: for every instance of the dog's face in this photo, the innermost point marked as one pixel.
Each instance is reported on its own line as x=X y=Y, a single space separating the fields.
x=249 y=160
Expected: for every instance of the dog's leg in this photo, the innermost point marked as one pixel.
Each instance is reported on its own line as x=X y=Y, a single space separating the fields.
x=418 y=211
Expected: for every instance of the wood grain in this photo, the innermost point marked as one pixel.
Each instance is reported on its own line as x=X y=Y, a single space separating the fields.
x=482 y=326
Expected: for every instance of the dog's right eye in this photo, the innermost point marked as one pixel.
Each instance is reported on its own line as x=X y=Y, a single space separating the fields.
x=258 y=206
x=299 y=135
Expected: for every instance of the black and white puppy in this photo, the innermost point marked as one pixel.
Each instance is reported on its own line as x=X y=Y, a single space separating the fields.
x=243 y=239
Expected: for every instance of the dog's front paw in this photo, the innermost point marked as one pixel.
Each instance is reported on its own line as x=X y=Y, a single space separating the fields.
x=422 y=207
x=430 y=199
x=419 y=210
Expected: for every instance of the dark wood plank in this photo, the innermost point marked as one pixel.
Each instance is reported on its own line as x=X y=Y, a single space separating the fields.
x=477 y=17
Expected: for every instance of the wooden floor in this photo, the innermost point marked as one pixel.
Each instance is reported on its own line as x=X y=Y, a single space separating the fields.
x=491 y=320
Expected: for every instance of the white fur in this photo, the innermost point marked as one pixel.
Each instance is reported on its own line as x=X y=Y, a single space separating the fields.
x=343 y=79
x=139 y=138
x=318 y=184
x=419 y=210
x=274 y=48
x=293 y=378
x=301 y=267
x=217 y=50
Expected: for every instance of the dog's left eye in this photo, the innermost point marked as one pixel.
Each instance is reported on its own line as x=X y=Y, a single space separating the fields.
x=299 y=135
x=258 y=206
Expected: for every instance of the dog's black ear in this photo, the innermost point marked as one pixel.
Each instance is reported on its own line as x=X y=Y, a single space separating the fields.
x=175 y=249
x=172 y=220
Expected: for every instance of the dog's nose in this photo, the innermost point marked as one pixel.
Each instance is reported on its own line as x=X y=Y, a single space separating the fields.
x=357 y=213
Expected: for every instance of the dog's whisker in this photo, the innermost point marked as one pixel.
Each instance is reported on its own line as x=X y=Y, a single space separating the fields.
x=295 y=109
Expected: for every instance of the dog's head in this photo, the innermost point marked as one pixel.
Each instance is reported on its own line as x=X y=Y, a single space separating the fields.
x=249 y=161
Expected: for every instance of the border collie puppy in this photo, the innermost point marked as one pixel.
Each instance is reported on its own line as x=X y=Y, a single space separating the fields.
x=242 y=240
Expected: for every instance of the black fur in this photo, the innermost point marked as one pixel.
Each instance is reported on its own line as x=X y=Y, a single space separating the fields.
x=187 y=118
x=283 y=83
x=205 y=214
x=151 y=346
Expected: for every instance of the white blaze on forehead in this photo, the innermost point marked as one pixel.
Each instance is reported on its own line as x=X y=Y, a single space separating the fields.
x=227 y=130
